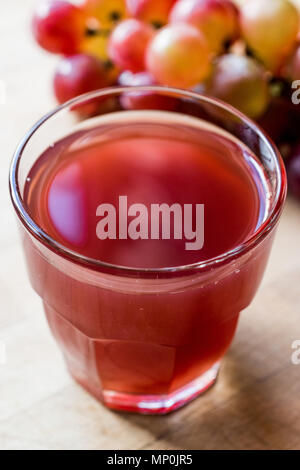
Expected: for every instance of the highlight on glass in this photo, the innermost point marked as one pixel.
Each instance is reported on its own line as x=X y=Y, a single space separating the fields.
x=146 y=232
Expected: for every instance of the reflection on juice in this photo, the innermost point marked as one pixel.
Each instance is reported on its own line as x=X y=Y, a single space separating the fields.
x=136 y=335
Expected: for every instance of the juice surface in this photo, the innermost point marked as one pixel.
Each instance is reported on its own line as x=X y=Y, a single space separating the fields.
x=151 y=158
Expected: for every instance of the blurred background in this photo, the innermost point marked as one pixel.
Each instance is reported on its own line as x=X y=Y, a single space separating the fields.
x=255 y=403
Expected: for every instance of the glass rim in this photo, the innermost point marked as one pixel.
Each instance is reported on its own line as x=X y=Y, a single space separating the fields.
x=38 y=233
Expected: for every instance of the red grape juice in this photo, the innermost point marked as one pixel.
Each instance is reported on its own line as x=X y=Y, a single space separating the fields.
x=140 y=335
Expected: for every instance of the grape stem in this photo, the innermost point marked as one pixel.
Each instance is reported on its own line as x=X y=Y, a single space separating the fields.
x=91 y=32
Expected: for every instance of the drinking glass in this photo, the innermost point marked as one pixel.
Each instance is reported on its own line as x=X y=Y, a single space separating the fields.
x=144 y=340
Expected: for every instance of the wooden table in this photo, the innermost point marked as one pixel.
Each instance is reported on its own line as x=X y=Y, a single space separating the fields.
x=256 y=402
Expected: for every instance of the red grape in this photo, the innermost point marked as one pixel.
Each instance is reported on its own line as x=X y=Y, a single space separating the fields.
x=78 y=74
x=142 y=99
x=270 y=29
x=155 y=12
x=59 y=26
x=217 y=19
x=293 y=171
x=241 y=82
x=276 y=121
x=178 y=56
x=128 y=43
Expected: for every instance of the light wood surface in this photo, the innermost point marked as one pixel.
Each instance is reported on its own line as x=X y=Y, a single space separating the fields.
x=256 y=402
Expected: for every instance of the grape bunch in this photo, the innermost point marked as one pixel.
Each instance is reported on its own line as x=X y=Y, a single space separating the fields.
x=244 y=52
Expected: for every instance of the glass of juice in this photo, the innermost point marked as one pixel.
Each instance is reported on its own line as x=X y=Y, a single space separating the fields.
x=146 y=230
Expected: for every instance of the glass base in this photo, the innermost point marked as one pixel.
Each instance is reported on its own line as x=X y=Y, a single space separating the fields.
x=156 y=404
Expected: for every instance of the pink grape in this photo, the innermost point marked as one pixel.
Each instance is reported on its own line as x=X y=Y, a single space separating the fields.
x=241 y=82
x=178 y=56
x=270 y=29
x=59 y=26
x=128 y=43
x=155 y=12
x=291 y=70
x=216 y=19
